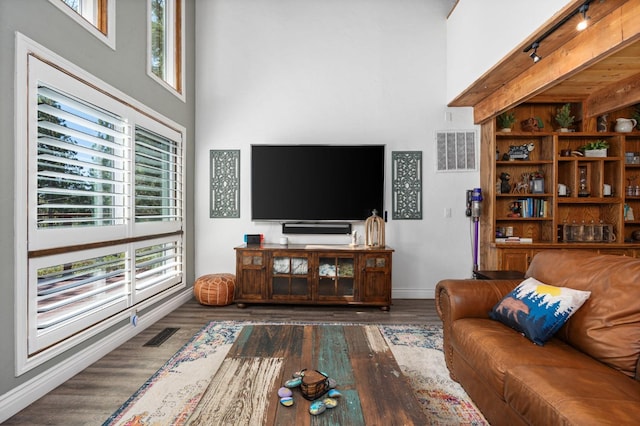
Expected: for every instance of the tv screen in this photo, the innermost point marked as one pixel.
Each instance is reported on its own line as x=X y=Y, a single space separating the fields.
x=316 y=182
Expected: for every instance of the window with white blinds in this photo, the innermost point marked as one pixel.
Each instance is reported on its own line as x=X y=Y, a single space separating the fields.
x=157 y=266
x=103 y=230
x=82 y=153
x=74 y=290
x=156 y=177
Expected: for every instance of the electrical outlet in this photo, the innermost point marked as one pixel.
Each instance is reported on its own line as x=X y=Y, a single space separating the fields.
x=447 y=212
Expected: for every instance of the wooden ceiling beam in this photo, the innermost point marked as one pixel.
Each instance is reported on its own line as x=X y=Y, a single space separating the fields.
x=615 y=96
x=513 y=63
x=612 y=33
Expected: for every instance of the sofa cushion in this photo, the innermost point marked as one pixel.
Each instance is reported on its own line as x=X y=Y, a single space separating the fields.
x=538 y=310
x=607 y=326
x=493 y=349
x=570 y=395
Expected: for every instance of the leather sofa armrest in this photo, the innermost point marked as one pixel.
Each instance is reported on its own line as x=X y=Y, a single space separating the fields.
x=457 y=299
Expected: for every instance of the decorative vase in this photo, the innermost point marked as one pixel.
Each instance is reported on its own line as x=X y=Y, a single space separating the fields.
x=625 y=125
x=563 y=129
x=505 y=129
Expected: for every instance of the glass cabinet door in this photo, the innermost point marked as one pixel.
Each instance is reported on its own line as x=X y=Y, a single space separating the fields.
x=336 y=277
x=290 y=277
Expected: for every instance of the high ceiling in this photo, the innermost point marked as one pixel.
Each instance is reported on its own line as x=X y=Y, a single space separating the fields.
x=599 y=66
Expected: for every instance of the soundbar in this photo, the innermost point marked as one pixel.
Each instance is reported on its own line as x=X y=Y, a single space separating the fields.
x=316 y=228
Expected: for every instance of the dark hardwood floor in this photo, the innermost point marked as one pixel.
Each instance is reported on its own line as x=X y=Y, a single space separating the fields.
x=93 y=395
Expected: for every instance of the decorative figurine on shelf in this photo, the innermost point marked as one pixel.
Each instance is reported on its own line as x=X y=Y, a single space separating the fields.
x=523 y=185
x=583 y=187
x=532 y=124
x=374 y=230
x=354 y=238
x=515 y=209
x=520 y=152
x=602 y=123
x=505 y=185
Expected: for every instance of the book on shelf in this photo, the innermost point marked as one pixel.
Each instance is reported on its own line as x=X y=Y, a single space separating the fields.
x=521 y=240
x=533 y=207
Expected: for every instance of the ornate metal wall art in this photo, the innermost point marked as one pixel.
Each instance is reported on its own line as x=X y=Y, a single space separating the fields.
x=225 y=183
x=406 y=184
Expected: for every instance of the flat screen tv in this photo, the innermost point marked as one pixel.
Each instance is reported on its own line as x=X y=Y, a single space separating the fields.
x=316 y=182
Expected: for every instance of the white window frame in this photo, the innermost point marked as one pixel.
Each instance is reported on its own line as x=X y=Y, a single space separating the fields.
x=171 y=83
x=50 y=238
x=34 y=347
x=87 y=23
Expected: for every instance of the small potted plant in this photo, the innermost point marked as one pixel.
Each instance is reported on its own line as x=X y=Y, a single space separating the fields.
x=506 y=120
x=596 y=148
x=564 y=117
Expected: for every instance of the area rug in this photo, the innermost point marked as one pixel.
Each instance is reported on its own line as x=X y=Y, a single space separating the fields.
x=173 y=392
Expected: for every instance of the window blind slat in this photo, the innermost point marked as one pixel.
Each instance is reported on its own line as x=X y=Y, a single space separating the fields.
x=71 y=299
x=68 y=290
x=48 y=140
x=64 y=286
x=79 y=164
x=77 y=135
x=82 y=107
x=78 y=193
x=83 y=122
x=57 y=176
x=46 y=321
x=156 y=265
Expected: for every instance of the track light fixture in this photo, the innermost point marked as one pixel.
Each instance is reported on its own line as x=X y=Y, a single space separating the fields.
x=534 y=54
x=583 y=24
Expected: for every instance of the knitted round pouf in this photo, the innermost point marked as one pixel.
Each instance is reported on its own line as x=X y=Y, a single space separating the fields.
x=215 y=289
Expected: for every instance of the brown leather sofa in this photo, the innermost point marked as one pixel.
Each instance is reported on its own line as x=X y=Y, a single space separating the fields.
x=587 y=374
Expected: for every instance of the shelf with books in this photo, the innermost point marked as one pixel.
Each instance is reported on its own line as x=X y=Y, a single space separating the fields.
x=577 y=187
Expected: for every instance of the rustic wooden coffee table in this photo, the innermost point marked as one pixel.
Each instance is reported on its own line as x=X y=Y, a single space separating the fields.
x=263 y=357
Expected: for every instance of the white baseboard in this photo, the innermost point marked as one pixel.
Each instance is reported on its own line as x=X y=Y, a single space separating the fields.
x=423 y=293
x=25 y=394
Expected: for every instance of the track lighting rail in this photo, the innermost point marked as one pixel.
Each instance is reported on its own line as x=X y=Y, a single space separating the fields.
x=534 y=46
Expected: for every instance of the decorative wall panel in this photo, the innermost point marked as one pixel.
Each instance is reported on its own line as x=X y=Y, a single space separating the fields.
x=225 y=183
x=406 y=184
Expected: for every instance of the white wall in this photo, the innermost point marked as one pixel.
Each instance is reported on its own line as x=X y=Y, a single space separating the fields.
x=317 y=71
x=496 y=28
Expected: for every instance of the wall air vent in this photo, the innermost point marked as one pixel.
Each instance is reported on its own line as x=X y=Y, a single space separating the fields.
x=456 y=151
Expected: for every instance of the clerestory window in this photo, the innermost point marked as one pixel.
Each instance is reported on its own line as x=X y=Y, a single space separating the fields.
x=96 y=16
x=166 y=43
